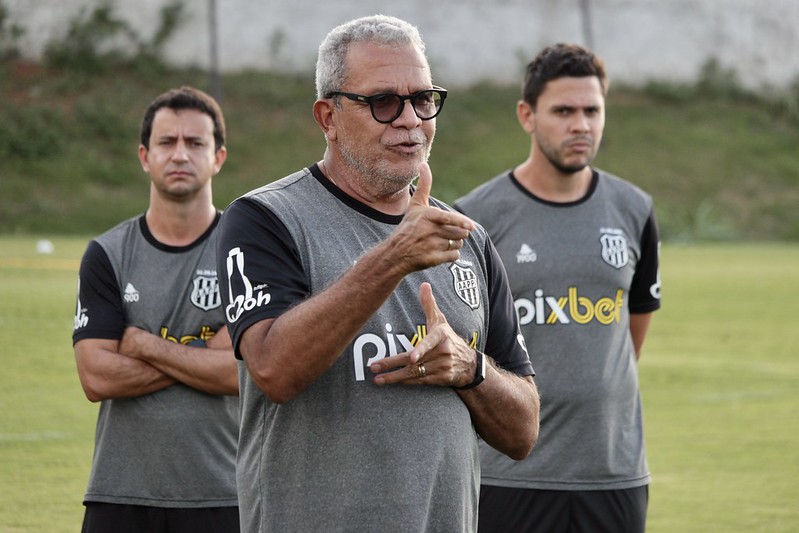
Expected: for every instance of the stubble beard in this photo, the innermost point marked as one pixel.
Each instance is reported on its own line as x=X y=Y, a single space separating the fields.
x=181 y=192
x=555 y=158
x=377 y=177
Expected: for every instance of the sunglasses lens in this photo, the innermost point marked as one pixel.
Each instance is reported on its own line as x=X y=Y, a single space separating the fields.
x=427 y=104
x=386 y=107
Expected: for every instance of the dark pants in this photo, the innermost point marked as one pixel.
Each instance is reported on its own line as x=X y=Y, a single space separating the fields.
x=506 y=510
x=110 y=517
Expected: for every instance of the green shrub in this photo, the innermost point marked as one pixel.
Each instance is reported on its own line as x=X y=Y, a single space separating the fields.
x=97 y=41
x=9 y=35
x=30 y=133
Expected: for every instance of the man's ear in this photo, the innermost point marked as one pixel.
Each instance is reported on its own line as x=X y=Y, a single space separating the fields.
x=219 y=159
x=526 y=115
x=143 y=158
x=323 y=114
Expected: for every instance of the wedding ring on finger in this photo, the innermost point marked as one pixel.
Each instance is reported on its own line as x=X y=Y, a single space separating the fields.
x=449 y=244
x=422 y=370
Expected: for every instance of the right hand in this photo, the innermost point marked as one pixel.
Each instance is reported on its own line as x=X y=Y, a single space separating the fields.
x=428 y=236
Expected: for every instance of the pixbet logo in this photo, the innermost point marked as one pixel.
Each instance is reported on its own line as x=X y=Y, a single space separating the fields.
x=380 y=347
x=565 y=309
x=370 y=347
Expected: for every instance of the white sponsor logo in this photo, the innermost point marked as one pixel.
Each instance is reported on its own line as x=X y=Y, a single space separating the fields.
x=131 y=294
x=526 y=254
x=240 y=291
x=654 y=290
x=81 y=319
x=570 y=308
x=375 y=348
x=522 y=343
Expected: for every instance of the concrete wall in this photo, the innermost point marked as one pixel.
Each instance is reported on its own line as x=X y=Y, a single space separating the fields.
x=471 y=40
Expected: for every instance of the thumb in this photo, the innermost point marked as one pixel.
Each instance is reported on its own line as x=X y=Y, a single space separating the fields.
x=431 y=311
x=422 y=194
x=433 y=317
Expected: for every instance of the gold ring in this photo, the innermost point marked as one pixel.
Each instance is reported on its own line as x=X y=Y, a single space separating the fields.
x=422 y=370
x=449 y=244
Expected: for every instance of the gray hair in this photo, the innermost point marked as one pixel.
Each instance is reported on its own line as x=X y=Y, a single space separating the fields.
x=331 y=72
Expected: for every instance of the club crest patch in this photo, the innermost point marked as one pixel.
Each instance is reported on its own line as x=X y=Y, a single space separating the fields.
x=205 y=293
x=465 y=283
x=614 y=248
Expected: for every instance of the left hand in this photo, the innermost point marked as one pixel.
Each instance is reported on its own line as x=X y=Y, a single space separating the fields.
x=440 y=358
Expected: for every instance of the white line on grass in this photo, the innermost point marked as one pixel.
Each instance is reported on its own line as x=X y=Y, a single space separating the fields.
x=36 y=437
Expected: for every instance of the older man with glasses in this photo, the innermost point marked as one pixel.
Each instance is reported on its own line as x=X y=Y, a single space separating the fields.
x=376 y=327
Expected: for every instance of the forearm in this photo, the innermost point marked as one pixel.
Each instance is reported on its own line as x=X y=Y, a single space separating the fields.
x=639 y=326
x=505 y=411
x=288 y=354
x=211 y=370
x=106 y=374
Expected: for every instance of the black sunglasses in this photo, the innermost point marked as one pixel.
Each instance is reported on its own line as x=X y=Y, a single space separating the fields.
x=386 y=107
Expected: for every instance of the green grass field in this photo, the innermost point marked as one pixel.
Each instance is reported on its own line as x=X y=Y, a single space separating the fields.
x=720 y=376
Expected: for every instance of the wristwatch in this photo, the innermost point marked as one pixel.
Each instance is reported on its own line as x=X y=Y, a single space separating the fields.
x=480 y=372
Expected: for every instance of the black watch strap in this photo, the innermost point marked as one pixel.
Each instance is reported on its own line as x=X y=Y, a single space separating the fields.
x=480 y=372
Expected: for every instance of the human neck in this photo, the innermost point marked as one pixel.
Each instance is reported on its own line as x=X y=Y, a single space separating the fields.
x=391 y=203
x=550 y=184
x=177 y=223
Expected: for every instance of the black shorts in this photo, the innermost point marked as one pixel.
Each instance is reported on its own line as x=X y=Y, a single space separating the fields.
x=105 y=517
x=504 y=510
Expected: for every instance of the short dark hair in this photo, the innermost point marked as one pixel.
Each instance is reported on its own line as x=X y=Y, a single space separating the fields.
x=560 y=61
x=185 y=98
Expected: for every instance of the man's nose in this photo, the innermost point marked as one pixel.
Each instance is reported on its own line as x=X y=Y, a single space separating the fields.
x=408 y=117
x=581 y=122
x=181 y=152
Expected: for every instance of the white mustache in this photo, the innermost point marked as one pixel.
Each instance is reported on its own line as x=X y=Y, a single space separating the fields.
x=415 y=137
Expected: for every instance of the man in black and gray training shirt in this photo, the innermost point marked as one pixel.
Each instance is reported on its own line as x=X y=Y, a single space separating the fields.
x=376 y=324
x=581 y=251
x=151 y=343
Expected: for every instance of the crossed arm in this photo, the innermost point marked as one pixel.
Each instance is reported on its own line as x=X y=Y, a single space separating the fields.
x=141 y=363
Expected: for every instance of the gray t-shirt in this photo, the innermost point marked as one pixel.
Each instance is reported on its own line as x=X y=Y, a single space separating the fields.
x=345 y=454
x=576 y=271
x=175 y=447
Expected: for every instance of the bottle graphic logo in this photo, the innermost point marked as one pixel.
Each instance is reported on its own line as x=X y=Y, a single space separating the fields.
x=241 y=295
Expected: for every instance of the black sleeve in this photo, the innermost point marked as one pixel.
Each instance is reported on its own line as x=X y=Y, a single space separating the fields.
x=260 y=269
x=504 y=342
x=99 y=313
x=645 y=287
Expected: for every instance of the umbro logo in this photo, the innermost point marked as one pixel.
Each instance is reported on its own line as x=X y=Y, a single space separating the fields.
x=131 y=294
x=526 y=254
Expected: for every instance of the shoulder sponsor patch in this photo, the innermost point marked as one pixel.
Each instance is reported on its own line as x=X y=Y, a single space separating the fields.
x=243 y=296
